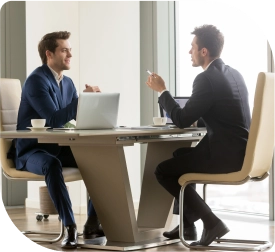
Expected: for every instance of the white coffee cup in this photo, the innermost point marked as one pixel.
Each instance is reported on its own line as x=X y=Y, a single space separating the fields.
x=159 y=120
x=38 y=123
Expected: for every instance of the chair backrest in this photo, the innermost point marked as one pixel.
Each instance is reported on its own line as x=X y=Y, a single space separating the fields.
x=260 y=145
x=10 y=95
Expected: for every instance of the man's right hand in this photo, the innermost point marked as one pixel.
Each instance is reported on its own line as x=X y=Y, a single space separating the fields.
x=156 y=83
x=94 y=89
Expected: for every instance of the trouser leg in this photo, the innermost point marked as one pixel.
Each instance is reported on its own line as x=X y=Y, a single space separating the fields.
x=187 y=222
x=168 y=173
x=92 y=226
x=67 y=159
x=91 y=209
x=92 y=219
x=42 y=163
x=182 y=152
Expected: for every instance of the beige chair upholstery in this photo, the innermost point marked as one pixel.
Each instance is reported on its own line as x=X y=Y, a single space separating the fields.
x=10 y=95
x=257 y=161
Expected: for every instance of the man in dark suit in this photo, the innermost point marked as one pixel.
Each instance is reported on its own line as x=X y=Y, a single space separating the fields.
x=220 y=99
x=50 y=95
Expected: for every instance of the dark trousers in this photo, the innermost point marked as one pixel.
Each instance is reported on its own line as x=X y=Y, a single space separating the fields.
x=168 y=173
x=43 y=163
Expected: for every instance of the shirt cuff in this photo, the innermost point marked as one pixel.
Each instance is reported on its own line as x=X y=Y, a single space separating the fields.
x=162 y=92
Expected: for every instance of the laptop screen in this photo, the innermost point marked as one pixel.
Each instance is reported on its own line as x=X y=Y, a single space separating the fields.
x=180 y=100
x=97 y=110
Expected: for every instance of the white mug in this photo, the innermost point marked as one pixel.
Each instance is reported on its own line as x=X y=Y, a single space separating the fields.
x=159 y=120
x=38 y=123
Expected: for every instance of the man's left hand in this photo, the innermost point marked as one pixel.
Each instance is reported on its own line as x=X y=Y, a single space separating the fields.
x=94 y=89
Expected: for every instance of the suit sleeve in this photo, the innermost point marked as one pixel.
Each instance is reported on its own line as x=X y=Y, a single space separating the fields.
x=199 y=103
x=44 y=101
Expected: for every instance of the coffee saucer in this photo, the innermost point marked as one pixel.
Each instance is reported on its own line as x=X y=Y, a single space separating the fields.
x=38 y=128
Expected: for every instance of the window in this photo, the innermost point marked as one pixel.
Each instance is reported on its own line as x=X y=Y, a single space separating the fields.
x=245 y=49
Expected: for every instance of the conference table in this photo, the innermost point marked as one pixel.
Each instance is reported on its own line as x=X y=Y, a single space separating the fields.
x=101 y=160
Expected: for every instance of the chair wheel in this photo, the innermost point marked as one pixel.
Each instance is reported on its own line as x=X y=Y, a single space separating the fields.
x=39 y=217
x=46 y=216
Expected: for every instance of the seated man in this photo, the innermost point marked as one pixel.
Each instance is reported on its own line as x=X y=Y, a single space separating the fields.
x=220 y=99
x=50 y=95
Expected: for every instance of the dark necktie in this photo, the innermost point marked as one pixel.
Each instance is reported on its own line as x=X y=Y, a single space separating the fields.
x=61 y=87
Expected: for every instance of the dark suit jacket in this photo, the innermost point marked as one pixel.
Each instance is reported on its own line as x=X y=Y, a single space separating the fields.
x=220 y=98
x=42 y=98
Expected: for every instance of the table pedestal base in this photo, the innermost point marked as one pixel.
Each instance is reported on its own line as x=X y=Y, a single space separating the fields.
x=102 y=244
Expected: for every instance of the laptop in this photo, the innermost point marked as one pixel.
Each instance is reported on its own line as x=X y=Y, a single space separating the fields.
x=181 y=100
x=97 y=111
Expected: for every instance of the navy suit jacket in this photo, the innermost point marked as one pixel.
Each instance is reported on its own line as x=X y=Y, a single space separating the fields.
x=42 y=98
x=220 y=98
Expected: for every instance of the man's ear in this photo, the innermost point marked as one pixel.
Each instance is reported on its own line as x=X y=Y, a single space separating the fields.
x=49 y=54
x=204 y=51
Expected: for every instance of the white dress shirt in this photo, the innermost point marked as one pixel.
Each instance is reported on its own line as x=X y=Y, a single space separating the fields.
x=57 y=78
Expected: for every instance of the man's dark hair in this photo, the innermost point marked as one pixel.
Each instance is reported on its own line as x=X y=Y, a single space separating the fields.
x=209 y=37
x=48 y=42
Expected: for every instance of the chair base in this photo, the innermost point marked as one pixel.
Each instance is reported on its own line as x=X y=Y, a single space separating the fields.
x=248 y=245
x=60 y=235
x=262 y=245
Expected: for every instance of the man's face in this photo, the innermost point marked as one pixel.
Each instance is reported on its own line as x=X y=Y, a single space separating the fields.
x=196 y=55
x=60 y=59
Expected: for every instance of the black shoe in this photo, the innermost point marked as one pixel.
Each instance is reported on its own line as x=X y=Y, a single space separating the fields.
x=70 y=240
x=208 y=236
x=93 y=231
x=190 y=233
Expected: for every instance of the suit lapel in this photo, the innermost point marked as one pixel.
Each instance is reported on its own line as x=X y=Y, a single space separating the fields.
x=54 y=85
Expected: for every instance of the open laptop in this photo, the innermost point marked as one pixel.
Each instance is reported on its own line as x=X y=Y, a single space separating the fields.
x=181 y=100
x=96 y=111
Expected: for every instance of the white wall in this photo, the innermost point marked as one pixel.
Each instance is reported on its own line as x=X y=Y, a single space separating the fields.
x=106 y=51
x=109 y=57
x=45 y=17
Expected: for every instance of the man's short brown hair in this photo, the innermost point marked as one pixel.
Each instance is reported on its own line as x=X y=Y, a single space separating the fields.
x=48 y=42
x=209 y=37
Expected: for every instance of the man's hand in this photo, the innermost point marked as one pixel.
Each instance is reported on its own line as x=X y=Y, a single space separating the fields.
x=91 y=89
x=156 y=83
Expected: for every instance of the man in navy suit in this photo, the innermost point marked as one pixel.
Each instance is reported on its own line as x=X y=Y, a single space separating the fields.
x=220 y=99
x=50 y=95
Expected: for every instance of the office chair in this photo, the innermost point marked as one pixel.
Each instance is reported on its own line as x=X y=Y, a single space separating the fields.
x=257 y=161
x=10 y=95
